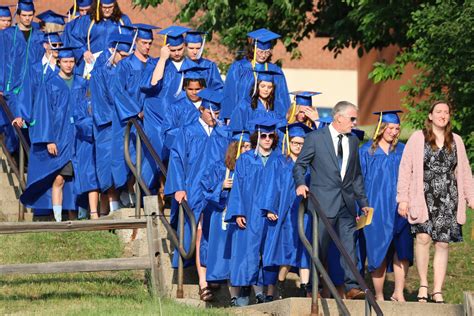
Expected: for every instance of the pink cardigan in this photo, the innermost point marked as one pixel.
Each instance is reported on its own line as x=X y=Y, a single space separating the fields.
x=410 y=179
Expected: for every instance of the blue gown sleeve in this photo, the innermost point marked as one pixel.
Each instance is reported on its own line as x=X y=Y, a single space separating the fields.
x=3 y=48
x=145 y=83
x=100 y=97
x=282 y=96
x=211 y=185
x=230 y=87
x=83 y=121
x=237 y=196
x=42 y=131
x=216 y=82
x=176 y=180
x=125 y=105
x=271 y=181
x=240 y=117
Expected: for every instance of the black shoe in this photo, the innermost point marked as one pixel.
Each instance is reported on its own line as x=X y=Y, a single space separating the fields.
x=268 y=298
x=280 y=287
x=259 y=298
x=233 y=301
x=303 y=290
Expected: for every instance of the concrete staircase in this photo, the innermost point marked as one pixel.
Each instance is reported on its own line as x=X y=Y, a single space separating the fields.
x=9 y=193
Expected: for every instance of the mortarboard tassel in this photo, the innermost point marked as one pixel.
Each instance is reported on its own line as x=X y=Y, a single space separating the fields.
x=180 y=87
x=293 y=111
x=97 y=10
x=133 y=42
x=201 y=50
x=258 y=141
x=240 y=145
x=73 y=11
x=165 y=39
x=378 y=126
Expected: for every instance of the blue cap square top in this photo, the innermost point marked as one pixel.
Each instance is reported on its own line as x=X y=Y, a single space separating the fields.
x=264 y=38
x=145 y=31
x=51 y=17
x=173 y=35
x=211 y=99
x=26 y=5
x=5 y=11
x=304 y=97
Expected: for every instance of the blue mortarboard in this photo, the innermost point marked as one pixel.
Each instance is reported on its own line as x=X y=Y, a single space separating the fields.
x=145 y=31
x=264 y=74
x=296 y=129
x=52 y=37
x=359 y=133
x=304 y=97
x=26 y=5
x=65 y=52
x=389 y=116
x=193 y=71
x=106 y=1
x=265 y=124
x=241 y=136
x=324 y=121
x=211 y=99
x=83 y=3
x=120 y=42
x=174 y=35
x=51 y=17
x=194 y=36
x=5 y=11
x=263 y=37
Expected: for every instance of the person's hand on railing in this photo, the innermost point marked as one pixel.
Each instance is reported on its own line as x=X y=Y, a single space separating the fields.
x=180 y=196
x=302 y=190
x=52 y=149
x=241 y=222
x=18 y=122
x=403 y=209
x=272 y=216
x=228 y=183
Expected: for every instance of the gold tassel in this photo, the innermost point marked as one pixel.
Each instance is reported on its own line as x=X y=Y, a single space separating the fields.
x=165 y=39
x=240 y=145
x=98 y=10
x=378 y=126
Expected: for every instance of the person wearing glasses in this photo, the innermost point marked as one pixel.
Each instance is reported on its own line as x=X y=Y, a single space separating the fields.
x=387 y=241
x=241 y=76
x=260 y=104
x=332 y=156
x=217 y=184
x=246 y=267
x=196 y=146
x=283 y=248
x=52 y=163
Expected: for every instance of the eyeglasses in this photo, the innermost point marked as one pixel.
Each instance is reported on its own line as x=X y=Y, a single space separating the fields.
x=55 y=45
x=265 y=136
x=352 y=118
x=264 y=52
x=298 y=144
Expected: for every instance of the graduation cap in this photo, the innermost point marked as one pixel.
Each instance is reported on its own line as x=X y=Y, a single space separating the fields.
x=387 y=117
x=145 y=31
x=83 y=3
x=52 y=37
x=120 y=42
x=174 y=35
x=324 y=121
x=65 y=52
x=194 y=36
x=26 y=5
x=191 y=70
x=293 y=130
x=51 y=17
x=304 y=97
x=241 y=136
x=211 y=99
x=266 y=124
x=263 y=38
x=5 y=11
x=99 y=2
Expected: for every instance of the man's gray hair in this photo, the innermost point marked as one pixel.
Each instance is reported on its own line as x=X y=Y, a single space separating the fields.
x=341 y=107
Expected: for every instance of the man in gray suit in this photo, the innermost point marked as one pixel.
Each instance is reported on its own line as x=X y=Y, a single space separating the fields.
x=332 y=154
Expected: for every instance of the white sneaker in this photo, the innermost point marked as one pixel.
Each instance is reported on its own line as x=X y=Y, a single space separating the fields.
x=58 y=216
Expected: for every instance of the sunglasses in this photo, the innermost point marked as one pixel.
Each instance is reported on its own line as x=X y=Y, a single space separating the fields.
x=352 y=118
x=56 y=45
x=265 y=136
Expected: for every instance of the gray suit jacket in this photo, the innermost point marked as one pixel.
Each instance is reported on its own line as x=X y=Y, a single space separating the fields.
x=326 y=184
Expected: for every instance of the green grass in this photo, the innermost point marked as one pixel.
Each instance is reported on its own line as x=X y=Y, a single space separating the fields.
x=77 y=293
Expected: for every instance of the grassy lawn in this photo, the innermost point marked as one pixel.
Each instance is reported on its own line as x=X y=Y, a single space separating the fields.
x=101 y=293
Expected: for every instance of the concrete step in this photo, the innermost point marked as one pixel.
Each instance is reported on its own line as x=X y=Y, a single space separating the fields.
x=302 y=306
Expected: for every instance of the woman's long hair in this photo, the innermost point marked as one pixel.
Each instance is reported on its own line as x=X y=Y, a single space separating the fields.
x=116 y=14
x=254 y=97
x=231 y=155
x=293 y=111
x=254 y=140
x=378 y=137
x=430 y=137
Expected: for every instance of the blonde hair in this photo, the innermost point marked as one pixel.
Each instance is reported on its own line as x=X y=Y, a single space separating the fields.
x=293 y=112
x=378 y=137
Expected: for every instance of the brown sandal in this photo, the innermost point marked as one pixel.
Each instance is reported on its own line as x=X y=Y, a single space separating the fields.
x=205 y=294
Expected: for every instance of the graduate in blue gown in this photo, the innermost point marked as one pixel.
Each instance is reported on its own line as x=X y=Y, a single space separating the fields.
x=129 y=101
x=103 y=114
x=51 y=21
x=195 y=41
x=280 y=205
x=21 y=46
x=52 y=154
x=241 y=77
x=261 y=104
x=216 y=184
x=91 y=32
x=301 y=109
x=5 y=17
x=388 y=242
x=243 y=209
x=78 y=10
x=197 y=146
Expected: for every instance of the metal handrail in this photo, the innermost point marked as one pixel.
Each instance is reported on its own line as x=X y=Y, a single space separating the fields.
x=317 y=211
x=12 y=164
x=172 y=235
x=17 y=129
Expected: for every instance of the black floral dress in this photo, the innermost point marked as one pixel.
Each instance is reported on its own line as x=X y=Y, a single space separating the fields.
x=441 y=195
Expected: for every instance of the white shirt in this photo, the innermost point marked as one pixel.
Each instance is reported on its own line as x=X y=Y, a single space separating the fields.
x=178 y=64
x=206 y=127
x=45 y=60
x=345 y=148
x=197 y=104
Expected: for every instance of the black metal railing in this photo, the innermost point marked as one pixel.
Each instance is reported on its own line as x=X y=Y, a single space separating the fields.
x=317 y=266
x=24 y=151
x=184 y=208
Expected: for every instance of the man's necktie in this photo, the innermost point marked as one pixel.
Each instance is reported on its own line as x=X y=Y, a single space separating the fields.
x=340 y=153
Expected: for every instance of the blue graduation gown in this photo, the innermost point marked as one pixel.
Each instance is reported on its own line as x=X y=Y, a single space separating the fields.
x=103 y=110
x=192 y=151
x=128 y=99
x=78 y=35
x=86 y=177
x=282 y=244
x=212 y=75
x=218 y=240
x=388 y=229
x=53 y=109
x=244 y=200
x=240 y=82
x=244 y=114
